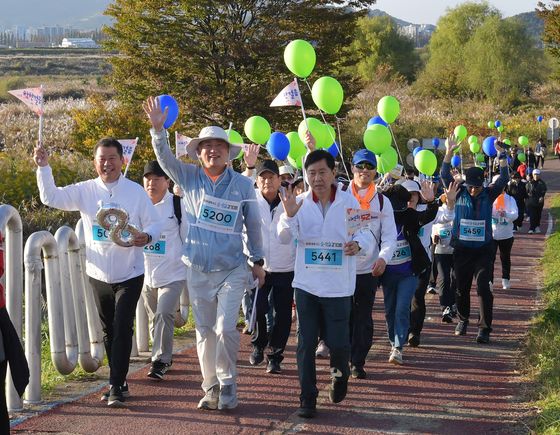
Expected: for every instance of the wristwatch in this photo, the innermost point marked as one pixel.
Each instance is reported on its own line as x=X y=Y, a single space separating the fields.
x=259 y=262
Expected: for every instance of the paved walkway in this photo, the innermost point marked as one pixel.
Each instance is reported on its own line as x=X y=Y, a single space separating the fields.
x=449 y=385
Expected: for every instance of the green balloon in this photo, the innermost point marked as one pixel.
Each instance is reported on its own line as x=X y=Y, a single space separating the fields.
x=297 y=147
x=500 y=128
x=257 y=129
x=521 y=157
x=480 y=157
x=490 y=124
x=388 y=108
x=299 y=57
x=523 y=140
x=472 y=139
x=318 y=131
x=331 y=134
x=377 y=139
x=327 y=95
x=474 y=147
x=234 y=137
x=387 y=160
x=460 y=133
x=507 y=141
x=296 y=162
x=426 y=162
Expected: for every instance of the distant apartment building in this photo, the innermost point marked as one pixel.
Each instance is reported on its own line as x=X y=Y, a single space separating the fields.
x=420 y=34
x=79 y=43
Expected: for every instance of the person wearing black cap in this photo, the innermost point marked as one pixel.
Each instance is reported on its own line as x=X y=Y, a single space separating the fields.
x=279 y=266
x=165 y=274
x=471 y=238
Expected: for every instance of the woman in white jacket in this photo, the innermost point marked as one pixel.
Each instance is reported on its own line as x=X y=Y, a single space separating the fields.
x=504 y=212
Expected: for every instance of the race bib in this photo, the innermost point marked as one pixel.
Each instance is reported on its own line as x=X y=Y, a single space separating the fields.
x=401 y=254
x=218 y=215
x=323 y=255
x=421 y=232
x=500 y=221
x=471 y=230
x=157 y=248
x=100 y=234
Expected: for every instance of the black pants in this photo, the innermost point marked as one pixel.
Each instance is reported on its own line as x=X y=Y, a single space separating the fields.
x=518 y=223
x=505 y=256
x=477 y=263
x=540 y=161
x=361 y=320
x=446 y=284
x=335 y=315
x=418 y=304
x=116 y=304
x=4 y=417
x=282 y=297
x=535 y=213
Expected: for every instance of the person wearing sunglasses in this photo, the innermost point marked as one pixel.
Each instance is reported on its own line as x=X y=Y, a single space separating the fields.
x=369 y=267
x=471 y=238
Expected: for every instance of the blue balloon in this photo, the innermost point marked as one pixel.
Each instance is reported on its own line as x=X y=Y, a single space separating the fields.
x=539 y=118
x=278 y=146
x=497 y=124
x=416 y=151
x=376 y=120
x=333 y=149
x=435 y=142
x=455 y=161
x=488 y=146
x=173 y=112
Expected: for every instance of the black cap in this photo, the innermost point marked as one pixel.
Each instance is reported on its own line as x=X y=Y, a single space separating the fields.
x=153 y=167
x=399 y=197
x=268 y=165
x=474 y=176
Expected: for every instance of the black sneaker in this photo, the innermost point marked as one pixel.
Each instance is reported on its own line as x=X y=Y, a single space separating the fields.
x=483 y=336
x=413 y=340
x=273 y=366
x=307 y=409
x=446 y=315
x=158 y=369
x=461 y=328
x=358 y=372
x=116 y=397
x=257 y=356
x=124 y=391
x=338 y=387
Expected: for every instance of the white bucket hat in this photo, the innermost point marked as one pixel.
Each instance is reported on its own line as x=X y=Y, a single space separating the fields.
x=208 y=133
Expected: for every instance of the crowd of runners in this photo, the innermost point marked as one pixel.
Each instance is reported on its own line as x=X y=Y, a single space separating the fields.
x=283 y=245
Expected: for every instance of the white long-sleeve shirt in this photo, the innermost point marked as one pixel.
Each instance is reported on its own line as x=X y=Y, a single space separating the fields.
x=502 y=220
x=162 y=257
x=442 y=227
x=321 y=268
x=105 y=260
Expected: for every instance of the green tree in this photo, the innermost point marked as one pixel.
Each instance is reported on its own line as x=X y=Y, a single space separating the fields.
x=502 y=60
x=223 y=60
x=443 y=75
x=551 y=16
x=378 y=43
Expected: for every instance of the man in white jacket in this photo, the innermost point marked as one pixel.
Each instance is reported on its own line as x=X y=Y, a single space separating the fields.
x=279 y=266
x=116 y=273
x=166 y=275
x=372 y=265
x=325 y=274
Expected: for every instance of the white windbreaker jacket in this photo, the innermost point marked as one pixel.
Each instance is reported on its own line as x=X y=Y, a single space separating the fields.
x=502 y=220
x=105 y=260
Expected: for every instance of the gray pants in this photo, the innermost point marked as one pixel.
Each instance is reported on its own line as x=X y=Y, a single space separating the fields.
x=161 y=305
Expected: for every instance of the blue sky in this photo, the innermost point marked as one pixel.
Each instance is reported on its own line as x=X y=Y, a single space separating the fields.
x=428 y=11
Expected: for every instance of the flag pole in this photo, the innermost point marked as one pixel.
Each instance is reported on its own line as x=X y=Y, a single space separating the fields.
x=41 y=119
x=301 y=99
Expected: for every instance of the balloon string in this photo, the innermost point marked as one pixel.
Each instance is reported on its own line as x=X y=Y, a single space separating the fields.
x=395 y=142
x=301 y=100
x=330 y=134
x=339 y=147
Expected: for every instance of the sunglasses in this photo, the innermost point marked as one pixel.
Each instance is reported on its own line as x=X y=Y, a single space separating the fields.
x=362 y=166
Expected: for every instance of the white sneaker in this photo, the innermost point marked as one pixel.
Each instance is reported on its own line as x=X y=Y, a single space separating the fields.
x=431 y=290
x=505 y=284
x=322 y=350
x=530 y=232
x=210 y=399
x=396 y=357
x=228 y=397
x=538 y=230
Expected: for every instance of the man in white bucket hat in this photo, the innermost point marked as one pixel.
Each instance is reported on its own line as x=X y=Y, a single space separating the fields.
x=218 y=202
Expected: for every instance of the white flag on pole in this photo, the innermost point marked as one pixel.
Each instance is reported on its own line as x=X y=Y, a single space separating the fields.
x=181 y=143
x=289 y=96
x=128 y=145
x=32 y=97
